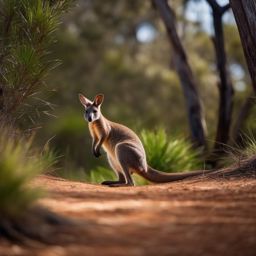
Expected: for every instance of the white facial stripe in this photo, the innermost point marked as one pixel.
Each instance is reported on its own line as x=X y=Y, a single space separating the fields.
x=90 y=115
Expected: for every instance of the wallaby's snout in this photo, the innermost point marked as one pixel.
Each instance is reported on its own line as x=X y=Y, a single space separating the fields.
x=89 y=119
x=87 y=116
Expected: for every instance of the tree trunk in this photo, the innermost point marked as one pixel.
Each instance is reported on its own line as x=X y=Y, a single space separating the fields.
x=245 y=15
x=241 y=119
x=194 y=110
x=225 y=86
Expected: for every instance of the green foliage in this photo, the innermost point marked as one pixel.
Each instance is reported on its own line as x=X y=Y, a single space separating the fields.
x=169 y=155
x=69 y=123
x=19 y=164
x=250 y=147
x=27 y=30
x=245 y=150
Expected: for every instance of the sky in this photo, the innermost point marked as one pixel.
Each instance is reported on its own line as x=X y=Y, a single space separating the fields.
x=197 y=11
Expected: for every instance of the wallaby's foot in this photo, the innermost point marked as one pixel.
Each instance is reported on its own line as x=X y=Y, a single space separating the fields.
x=121 y=185
x=110 y=182
x=116 y=183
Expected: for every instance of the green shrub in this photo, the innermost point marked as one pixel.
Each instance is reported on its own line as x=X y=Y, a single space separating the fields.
x=19 y=164
x=169 y=155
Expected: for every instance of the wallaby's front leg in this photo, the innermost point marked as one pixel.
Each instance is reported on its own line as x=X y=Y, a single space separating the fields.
x=96 y=141
x=96 y=146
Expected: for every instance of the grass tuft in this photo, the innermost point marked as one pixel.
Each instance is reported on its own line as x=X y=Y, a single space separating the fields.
x=19 y=164
x=250 y=147
x=240 y=152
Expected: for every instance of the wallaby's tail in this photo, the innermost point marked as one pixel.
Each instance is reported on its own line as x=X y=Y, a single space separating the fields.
x=162 y=177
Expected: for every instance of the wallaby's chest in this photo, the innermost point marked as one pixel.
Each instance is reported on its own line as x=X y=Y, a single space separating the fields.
x=96 y=131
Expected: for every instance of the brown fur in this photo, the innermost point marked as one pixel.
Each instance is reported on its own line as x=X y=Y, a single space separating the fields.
x=125 y=151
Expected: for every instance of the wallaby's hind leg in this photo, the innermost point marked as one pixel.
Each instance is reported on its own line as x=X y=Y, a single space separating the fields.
x=127 y=182
x=121 y=180
x=118 y=171
x=129 y=158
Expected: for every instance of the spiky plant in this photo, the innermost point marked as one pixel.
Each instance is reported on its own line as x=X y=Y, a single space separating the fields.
x=167 y=154
x=19 y=164
x=27 y=29
x=250 y=147
x=238 y=153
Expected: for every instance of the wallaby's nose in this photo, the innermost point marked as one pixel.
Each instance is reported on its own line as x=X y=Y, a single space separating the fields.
x=89 y=119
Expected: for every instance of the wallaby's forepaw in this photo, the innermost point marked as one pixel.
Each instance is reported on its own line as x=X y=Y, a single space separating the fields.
x=96 y=153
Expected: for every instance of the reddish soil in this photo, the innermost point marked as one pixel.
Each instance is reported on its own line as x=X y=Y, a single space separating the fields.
x=193 y=217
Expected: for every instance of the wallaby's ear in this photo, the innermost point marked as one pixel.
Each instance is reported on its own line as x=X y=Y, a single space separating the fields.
x=84 y=100
x=98 y=100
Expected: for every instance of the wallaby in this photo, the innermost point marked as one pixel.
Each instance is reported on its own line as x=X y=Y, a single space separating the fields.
x=125 y=152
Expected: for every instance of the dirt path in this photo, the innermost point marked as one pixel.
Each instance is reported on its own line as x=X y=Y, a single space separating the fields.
x=195 y=217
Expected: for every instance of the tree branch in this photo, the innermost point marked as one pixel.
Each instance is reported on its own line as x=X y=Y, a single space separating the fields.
x=243 y=115
x=224 y=85
x=245 y=16
x=214 y=5
x=225 y=8
x=218 y=8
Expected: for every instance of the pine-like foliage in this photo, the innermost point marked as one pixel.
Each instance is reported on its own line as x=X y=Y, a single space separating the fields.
x=27 y=29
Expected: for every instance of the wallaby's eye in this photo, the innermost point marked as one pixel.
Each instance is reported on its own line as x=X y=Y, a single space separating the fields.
x=86 y=111
x=94 y=111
